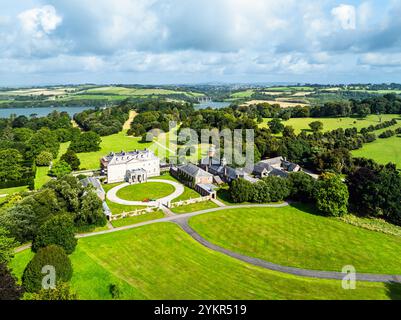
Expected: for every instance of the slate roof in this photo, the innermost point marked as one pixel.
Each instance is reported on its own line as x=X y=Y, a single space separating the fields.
x=194 y=171
x=91 y=181
x=261 y=166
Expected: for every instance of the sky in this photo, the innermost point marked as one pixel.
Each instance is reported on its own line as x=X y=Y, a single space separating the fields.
x=199 y=41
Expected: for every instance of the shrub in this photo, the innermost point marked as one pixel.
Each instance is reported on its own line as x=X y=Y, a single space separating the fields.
x=331 y=195
x=44 y=159
x=62 y=292
x=241 y=191
x=302 y=186
x=60 y=169
x=72 y=159
x=58 y=230
x=9 y=289
x=115 y=291
x=280 y=188
x=54 y=256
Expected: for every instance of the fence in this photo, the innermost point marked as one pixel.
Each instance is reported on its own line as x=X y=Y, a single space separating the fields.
x=134 y=213
x=190 y=201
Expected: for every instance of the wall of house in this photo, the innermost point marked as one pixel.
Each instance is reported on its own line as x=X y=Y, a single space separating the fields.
x=116 y=172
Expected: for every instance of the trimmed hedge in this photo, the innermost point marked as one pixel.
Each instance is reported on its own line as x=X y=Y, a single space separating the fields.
x=54 y=256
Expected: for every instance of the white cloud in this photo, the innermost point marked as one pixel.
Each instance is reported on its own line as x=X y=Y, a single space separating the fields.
x=40 y=21
x=345 y=15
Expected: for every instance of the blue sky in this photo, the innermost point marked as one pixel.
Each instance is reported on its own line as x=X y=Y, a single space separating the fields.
x=193 y=41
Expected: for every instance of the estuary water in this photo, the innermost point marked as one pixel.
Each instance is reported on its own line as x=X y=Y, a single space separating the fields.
x=40 y=112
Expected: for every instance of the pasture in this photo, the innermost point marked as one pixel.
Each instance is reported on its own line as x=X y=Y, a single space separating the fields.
x=292 y=236
x=382 y=151
x=160 y=261
x=300 y=124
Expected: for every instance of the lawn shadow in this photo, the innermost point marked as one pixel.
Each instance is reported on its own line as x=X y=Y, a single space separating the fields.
x=393 y=290
x=224 y=194
x=307 y=207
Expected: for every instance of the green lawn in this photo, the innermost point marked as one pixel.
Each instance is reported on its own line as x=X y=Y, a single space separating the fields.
x=243 y=94
x=113 y=143
x=137 y=219
x=117 y=208
x=41 y=177
x=188 y=192
x=160 y=261
x=142 y=191
x=382 y=151
x=293 y=237
x=13 y=190
x=329 y=124
x=195 y=207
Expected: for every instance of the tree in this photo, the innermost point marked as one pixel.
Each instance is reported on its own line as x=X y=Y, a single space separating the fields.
x=86 y=142
x=43 y=140
x=10 y=164
x=115 y=291
x=54 y=256
x=9 y=289
x=302 y=186
x=60 y=169
x=58 y=230
x=91 y=211
x=276 y=126
x=331 y=195
x=280 y=188
x=62 y=292
x=241 y=190
x=316 y=126
x=289 y=132
x=7 y=246
x=72 y=159
x=44 y=159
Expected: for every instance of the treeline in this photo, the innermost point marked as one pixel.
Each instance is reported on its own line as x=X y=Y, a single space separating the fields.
x=370 y=190
x=157 y=115
x=23 y=139
x=103 y=121
x=48 y=218
x=90 y=103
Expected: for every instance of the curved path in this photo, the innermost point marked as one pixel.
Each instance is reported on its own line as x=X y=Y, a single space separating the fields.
x=179 y=190
x=182 y=220
x=276 y=267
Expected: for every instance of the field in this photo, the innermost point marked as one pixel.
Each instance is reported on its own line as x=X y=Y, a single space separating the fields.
x=160 y=261
x=243 y=94
x=138 y=92
x=139 y=192
x=382 y=151
x=300 y=124
x=283 y=104
x=293 y=237
x=113 y=143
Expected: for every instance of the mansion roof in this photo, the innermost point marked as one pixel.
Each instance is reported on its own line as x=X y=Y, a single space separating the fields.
x=127 y=157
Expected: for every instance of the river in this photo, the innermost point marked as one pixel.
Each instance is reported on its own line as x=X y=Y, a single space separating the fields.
x=40 y=112
x=212 y=104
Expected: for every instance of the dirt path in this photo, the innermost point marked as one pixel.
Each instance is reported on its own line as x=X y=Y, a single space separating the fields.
x=127 y=124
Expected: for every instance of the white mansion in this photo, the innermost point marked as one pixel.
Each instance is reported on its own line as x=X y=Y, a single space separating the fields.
x=132 y=167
